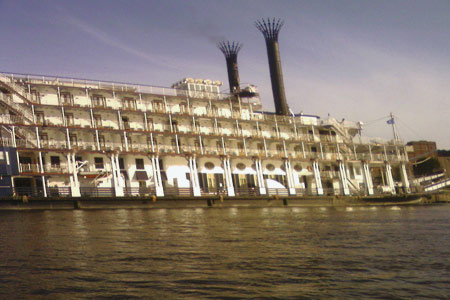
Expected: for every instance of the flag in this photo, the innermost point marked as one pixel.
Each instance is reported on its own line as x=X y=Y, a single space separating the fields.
x=390 y=121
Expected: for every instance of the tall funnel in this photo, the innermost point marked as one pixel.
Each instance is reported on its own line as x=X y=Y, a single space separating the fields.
x=270 y=29
x=230 y=50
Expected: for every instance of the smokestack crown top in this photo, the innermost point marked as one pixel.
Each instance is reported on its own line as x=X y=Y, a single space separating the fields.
x=269 y=28
x=229 y=49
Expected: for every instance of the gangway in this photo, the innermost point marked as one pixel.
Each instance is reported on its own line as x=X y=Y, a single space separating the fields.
x=427 y=178
x=438 y=185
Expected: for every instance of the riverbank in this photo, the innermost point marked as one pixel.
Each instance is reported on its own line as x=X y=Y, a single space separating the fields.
x=30 y=203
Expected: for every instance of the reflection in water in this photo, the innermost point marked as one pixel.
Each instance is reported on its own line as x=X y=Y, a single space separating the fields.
x=292 y=252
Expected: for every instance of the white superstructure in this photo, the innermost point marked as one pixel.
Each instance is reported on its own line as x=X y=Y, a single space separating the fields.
x=83 y=137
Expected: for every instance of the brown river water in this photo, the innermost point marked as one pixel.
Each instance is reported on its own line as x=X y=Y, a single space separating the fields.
x=231 y=253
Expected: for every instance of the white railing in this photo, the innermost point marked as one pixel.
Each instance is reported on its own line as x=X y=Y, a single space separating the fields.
x=61 y=168
x=11 y=119
x=97 y=84
x=6 y=142
x=29 y=168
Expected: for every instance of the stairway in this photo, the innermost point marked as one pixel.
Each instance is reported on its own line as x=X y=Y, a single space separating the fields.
x=21 y=107
x=16 y=100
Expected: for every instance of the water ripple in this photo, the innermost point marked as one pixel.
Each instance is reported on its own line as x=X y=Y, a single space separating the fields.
x=267 y=253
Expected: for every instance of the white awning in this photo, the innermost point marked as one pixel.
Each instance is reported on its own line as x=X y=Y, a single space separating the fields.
x=178 y=168
x=276 y=171
x=247 y=170
x=215 y=170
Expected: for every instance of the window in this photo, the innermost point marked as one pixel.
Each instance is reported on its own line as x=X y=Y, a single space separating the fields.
x=139 y=164
x=129 y=103
x=70 y=120
x=260 y=147
x=121 y=163
x=98 y=101
x=55 y=161
x=73 y=140
x=40 y=119
x=279 y=148
x=150 y=124
x=126 y=123
x=98 y=162
x=241 y=166
x=66 y=98
x=183 y=108
x=158 y=106
x=35 y=96
x=98 y=121
x=175 y=126
x=101 y=140
x=44 y=140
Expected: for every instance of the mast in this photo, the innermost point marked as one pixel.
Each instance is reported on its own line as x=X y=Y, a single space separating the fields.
x=394 y=129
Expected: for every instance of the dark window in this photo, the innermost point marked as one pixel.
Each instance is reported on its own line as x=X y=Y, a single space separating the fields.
x=121 y=163
x=54 y=160
x=98 y=162
x=139 y=164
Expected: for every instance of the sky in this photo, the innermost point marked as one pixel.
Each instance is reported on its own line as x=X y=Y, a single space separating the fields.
x=351 y=59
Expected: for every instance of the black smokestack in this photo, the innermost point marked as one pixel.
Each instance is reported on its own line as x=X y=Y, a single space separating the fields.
x=230 y=50
x=270 y=30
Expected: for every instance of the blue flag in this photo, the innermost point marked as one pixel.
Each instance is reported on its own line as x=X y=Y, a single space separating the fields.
x=390 y=121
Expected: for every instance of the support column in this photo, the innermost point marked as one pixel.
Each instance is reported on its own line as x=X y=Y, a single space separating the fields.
x=404 y=176
x=316 y=171
x=260 y=177
x=125 y=140
x=389 y=179
x=344 y=179
x=118 y=190
x=194 y=177
x=74 y=184
x=289 y=176
x=367 y=178
x=41 y=165
x=157 y=177
x=228 y=177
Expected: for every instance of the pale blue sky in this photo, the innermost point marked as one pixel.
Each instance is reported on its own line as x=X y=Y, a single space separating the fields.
x=358 y=60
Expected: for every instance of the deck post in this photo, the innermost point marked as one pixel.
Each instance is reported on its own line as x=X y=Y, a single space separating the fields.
x=344 y=180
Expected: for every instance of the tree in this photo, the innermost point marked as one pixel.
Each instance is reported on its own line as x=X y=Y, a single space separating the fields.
x=427 y=167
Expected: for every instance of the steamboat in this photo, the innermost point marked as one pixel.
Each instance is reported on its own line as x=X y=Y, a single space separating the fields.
x=64 y=137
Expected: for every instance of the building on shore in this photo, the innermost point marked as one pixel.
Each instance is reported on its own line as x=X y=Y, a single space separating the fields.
x=75 y=137
x=420 y=149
